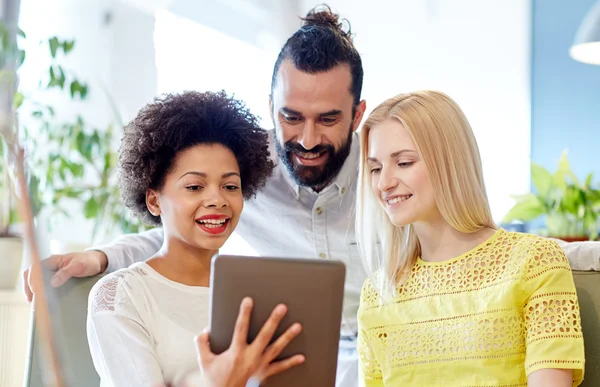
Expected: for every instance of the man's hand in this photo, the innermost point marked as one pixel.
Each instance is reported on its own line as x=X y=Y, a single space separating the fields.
x=242 y=361
x=79 y=265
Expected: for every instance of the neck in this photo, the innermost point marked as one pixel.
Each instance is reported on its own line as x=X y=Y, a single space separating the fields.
x=440 y=242
x=183 y=263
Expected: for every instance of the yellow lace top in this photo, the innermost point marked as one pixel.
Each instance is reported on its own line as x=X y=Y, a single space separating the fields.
x=489 y=317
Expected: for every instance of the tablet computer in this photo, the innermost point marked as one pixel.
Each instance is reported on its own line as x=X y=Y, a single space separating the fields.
x=313 y=291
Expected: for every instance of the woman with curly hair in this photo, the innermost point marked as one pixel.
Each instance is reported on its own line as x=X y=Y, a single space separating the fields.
x=187 y=162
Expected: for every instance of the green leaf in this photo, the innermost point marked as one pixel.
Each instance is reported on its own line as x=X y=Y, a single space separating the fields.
x=54 y=43
x=18 y=100
x=21 y=33
x=589 y=179
x=62 y=79
x=90 y=209
x=74 y=88
x=529 y=208
x=542 y=179
x=68 y=46
x=78 y=88
x=21 y=58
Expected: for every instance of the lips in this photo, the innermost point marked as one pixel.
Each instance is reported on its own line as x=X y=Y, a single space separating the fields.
x=213 y=224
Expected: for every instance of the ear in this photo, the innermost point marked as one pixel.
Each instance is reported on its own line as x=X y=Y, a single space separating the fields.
x=152 y=202
x=271 y=108
x=360 y=111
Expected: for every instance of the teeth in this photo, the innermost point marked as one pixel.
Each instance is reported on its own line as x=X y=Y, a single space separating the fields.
x=217 y=222
x=209 y=225
x=398 y=199
x=309 y=156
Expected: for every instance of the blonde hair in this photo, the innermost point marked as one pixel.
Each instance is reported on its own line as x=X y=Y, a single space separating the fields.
x=449 y=150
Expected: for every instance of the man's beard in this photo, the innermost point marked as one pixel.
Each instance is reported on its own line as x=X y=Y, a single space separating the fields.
x=316 y=177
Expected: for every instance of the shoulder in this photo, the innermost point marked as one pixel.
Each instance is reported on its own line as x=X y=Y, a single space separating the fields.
x=116 y=290
x=528 y=246
x=369 y=296
x=534 y=254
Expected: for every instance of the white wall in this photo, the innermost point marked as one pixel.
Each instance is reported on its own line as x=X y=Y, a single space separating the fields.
x=476 y=51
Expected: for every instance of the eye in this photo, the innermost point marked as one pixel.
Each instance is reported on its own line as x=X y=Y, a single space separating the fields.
x=375 y=170
x=231 y=187
x=291 y=119
x=405 y=164
x=328 y=120
x=194 y=188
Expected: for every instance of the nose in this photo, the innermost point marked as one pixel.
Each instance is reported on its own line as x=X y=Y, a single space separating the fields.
x=214 y=198
x=310 y=137
x=387 y=180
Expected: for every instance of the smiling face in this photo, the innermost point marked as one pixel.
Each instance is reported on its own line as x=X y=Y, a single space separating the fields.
x=314 y=122
x=201 y=199
x=399 y=178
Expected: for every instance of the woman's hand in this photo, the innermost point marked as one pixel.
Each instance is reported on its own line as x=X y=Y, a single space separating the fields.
x=242 y=361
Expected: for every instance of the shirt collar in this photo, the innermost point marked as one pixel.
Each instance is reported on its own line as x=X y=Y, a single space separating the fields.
x=342 y=182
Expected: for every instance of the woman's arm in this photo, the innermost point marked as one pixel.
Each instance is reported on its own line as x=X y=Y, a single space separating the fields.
x=550 y=377
x=554 y=342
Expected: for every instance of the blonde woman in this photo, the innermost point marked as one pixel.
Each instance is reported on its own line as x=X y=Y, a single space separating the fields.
x=451 y=299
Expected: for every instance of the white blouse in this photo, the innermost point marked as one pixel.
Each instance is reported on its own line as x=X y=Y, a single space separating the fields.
x=141 y=327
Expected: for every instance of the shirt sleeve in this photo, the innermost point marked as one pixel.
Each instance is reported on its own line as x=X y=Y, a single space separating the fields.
x=551 y=312
x=131 y=248
x=369 y=371
x=120 y=345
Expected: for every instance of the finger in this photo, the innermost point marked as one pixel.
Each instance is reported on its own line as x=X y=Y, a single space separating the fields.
x=26 y=286
x=66 y=270
x=205 y=355
x=240 y=333
x=270 y=326
x=282 y=341
x=283 y=365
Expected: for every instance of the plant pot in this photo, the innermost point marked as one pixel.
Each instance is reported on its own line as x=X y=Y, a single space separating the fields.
x=572 y=239
x=11 y=255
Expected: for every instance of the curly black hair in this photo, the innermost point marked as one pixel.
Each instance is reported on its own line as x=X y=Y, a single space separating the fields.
x=175 y=122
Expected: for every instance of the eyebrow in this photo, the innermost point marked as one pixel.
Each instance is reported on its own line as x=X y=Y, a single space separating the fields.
x=204 y=175
x=332 y=112
x=393 y=155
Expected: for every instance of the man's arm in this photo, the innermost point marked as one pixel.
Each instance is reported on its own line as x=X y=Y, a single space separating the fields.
x=130 y=248
x=121 y=253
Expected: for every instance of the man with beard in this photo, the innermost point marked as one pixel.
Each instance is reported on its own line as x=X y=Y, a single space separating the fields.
x=307 y=207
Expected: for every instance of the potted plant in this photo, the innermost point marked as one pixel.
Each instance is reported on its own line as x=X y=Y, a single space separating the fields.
x=11 y=244
x=571 y=208
x=68 y=160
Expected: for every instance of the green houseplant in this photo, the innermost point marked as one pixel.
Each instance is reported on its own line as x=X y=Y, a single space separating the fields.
x=571 y=208
x=70 y=163
x=73 y=163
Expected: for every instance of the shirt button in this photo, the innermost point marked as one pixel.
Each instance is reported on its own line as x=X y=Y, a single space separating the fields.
x=343 y=190
x=323 y=255
x=319 y=210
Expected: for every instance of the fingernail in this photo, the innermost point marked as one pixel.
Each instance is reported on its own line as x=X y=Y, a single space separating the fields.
x=296 y=328
x=281 y=308
x=247 y=301
x=54 y=282
x=301 y=359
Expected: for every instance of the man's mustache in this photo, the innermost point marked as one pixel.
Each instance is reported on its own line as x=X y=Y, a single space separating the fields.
x=297 y=148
